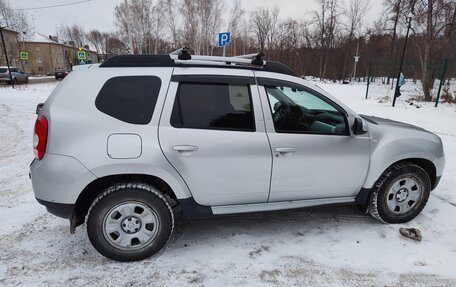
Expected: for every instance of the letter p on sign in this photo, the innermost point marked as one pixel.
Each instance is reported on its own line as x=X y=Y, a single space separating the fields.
x=224 y=39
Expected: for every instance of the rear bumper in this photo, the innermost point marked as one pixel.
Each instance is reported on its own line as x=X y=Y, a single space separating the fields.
x=59 y=179
x=62 y=210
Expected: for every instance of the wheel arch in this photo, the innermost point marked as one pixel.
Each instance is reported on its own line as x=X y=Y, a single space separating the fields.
x=363 y=196
x=93 y=189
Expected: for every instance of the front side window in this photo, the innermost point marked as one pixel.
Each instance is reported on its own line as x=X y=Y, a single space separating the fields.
x=213 y=106
x=296 y=110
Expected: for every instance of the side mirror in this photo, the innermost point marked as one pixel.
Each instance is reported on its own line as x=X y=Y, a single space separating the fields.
x=360 y=126
x=277 y=106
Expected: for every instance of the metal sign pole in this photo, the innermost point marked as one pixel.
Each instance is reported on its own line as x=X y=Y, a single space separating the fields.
x=442 y=80
x=6 y=57
x=396 y=91
x=369 y=75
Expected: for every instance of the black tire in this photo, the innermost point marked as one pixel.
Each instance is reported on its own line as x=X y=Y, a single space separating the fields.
x=26 y=80
x=383 y=192
x=124 y=194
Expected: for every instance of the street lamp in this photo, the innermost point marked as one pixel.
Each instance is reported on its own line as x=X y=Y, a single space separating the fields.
x=409 y=16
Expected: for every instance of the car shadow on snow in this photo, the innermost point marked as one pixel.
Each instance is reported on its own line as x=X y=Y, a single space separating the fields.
x=266 y=223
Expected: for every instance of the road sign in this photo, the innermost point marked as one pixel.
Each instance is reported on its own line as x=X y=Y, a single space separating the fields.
x=24 y=55
x=224 y=39
x=82 y=55
x=82 y=62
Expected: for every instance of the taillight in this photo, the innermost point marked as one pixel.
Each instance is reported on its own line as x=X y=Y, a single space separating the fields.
x=40 y=137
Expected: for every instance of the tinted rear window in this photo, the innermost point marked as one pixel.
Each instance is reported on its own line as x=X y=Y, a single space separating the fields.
x=213 y=106
x=130 y=99
x=3 y=70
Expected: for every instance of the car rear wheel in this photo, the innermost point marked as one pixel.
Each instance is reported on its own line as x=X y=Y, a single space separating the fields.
x=130 y=222
x=400 y=194
x=26 y=80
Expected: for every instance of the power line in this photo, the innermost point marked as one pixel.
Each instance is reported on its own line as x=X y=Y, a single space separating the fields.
x=52 y=6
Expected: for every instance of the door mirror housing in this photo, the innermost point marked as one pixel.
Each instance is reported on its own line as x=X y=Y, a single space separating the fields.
x=360 y=126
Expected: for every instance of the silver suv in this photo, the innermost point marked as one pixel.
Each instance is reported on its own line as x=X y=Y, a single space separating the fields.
x=17 y=75
x=125 y=145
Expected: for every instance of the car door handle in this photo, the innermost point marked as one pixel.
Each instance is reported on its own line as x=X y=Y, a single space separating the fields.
x=285 y=149
x=185 y=148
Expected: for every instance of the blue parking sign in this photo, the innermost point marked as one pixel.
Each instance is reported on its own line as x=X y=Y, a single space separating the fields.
x=224 y=39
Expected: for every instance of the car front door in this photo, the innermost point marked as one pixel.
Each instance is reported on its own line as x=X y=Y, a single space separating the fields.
x=314 y=154
x=212 y=132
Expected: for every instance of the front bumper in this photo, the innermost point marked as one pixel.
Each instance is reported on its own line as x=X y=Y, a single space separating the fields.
x=437 y=180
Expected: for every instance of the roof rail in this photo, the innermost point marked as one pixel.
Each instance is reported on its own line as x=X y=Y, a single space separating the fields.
x=185 y=59
x=216 y=59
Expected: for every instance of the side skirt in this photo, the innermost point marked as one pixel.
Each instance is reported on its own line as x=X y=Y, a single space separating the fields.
x=271 y=206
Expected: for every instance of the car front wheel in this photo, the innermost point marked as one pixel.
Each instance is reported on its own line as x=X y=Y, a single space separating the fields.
x=130 y=222
x=400 y=194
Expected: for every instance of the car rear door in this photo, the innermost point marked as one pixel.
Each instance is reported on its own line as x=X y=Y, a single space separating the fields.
x=315 y=154
x=212 y=131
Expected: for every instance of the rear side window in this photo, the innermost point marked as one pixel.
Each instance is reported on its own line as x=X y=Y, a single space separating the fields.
x=213 y=106
x=3 y=70
x=130 y=99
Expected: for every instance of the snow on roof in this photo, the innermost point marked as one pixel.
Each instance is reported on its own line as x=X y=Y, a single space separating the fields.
x=10 y=30
x=40 y=38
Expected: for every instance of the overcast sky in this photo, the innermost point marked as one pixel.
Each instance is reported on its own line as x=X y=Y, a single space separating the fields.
x=98 y=14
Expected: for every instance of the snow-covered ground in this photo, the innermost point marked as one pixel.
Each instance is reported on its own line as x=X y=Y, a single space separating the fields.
x=330 y=246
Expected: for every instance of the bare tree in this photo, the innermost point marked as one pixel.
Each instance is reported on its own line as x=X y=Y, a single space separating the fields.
x=14 y=19
x=210 y=12
x=201 y=21
x=326 y=21
x=393 y=11
x=74 y=33
x=169 y=14
x=145 y=24
x=236 y=14
x=355 y=14
x=264 y=26
x=432 y=19
x=115 y=46
x=98 y=41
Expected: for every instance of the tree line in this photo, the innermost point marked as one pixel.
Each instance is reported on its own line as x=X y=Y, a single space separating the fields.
x=320 y=43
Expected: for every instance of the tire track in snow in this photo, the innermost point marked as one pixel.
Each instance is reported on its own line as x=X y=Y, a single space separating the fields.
x=443 y=199
x=12 y=131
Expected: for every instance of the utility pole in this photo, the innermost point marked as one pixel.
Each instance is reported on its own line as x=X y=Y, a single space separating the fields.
x=33 y=21
x=23 y=48
x=6 y=57
x=356 y=61
x=410 y=16
x=130 y=38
